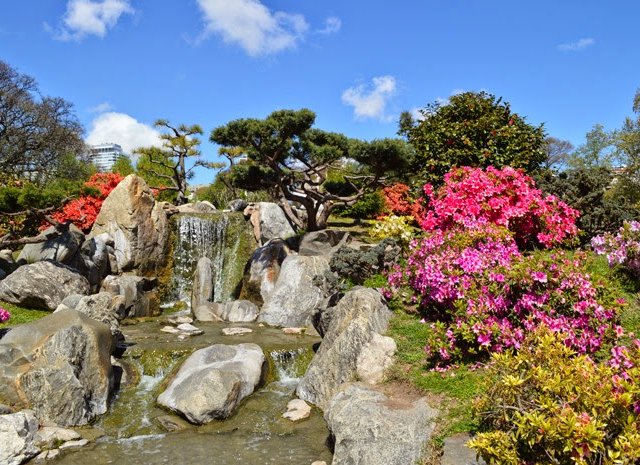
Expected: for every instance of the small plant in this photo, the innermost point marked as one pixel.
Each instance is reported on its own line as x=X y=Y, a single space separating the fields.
x=395 y=227
x=547 y=405
x=622 y=249
x=4 y=315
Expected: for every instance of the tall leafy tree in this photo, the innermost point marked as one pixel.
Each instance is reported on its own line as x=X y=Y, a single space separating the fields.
x=169 y=162
x=473 y=129
x=289 y=157
x=37 y=133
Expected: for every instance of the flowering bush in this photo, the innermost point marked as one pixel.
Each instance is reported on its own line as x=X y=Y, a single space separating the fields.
x=472 y=197
x=400 y=202
x=547 y=405
x=481 y=295
x=395 y=227
x=622 y=248
x=84 y=210
x=4 y=315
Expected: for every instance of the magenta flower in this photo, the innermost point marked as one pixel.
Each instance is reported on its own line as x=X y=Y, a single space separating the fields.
x=4 y=315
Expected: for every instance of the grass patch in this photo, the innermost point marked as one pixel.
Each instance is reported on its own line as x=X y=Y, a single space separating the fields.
x=21 y=315
x=452 y=391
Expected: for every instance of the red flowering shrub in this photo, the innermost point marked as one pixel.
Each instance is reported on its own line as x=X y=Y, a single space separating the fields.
x=84 y=210
x=472 y=197
x=400 y=202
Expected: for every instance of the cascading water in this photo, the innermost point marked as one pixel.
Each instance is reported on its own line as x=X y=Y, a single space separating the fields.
x=221 y=237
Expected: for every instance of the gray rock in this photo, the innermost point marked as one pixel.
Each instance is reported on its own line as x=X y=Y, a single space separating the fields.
x=202 y=289
x=137 y=224
x=237 y=205
x=7 y=264
x=212 y=381
x=172 y=423
x=269 y=222
x=295 y=298
x=17 y=437
x=94 y=262
x=323 y=242
x=61 y=249
x=263 y=270
x=197 y=207
x=58 y=366
x=456 y=452
x=375 y=358
x=42 y=285
x=74 y=444
x=2 y=274
x=371 y=429
x=48 y=436
x=104 y=307
x=208 y=311
x=357 y=317
x=71 y=302
x=239 y=311
x=47 y=455
x=139 y=293
x=236 y=331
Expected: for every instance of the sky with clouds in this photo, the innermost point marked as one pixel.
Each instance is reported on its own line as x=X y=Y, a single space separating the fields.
x=357 y=64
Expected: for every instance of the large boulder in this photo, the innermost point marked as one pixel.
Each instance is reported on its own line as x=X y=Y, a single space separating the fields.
x=95 y=258
x=17 y=437
x=42 y=285
x=61 y=249
x=139 y=293
x=236 y=311
x=59 y=366
x=370 y=428
x=269 y=222
x=212 y=381
x=202 y=289
x=375 y=358
x=262 y=271
x=104 y=307
x=295 y=297
x=357 y=317
x=323 y=242
x=7 y=263
x=137 y=224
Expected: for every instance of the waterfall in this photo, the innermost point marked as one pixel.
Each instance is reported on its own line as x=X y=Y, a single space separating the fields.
x=290 y=364
x=225 y=239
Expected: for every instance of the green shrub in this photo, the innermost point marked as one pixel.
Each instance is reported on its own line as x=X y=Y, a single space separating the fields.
x=547 y=405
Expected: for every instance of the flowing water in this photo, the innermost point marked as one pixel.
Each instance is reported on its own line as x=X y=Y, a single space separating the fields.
x=135 y=431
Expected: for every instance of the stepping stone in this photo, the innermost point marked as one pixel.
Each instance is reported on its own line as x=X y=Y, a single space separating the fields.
x=170 y=329
x=456 y=452
x=178 y=320
x=294 y=331
x=297 y=409
x=74 y=444
x=189 y=329
x=236 y=331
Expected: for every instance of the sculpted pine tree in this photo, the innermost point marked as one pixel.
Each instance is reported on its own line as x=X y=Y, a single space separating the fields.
x=168 y=164
x=289 y=157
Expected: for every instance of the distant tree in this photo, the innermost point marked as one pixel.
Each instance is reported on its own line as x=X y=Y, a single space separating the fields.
x=288 y=156
x=37 y=133
x=169 y=163
x=473 y=129
x=557 y=153
x=123 y=166
x=597 y=151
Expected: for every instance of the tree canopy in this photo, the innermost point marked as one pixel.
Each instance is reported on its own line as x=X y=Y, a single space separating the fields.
x=473 y=129
x=292 y=159
x=37 y=133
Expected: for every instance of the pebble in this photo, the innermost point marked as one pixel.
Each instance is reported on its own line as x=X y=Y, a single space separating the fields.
x=295 y=331
x=47 y=455
x=74 y=444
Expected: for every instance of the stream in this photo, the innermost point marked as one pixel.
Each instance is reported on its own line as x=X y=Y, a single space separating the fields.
x=131 y=433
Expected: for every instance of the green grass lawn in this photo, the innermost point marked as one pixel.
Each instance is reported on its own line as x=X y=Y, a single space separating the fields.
x=20 y=315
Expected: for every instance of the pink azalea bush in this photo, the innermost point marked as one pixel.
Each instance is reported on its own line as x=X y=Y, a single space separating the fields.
x=474 y=197
x=4 y=315
x=480 y=295
x=622 y=248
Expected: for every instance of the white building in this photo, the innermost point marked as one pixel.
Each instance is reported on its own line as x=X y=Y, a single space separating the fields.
x=105 y=155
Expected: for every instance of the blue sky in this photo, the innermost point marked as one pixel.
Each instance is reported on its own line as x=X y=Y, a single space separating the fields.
x=357 y=64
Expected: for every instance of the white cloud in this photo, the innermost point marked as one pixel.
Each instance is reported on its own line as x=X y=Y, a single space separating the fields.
x=101 y=108
x=91 y=17
x=122 y=129
x=252 y=26
x=371 y=101
x=577 y=46
x=331 y=25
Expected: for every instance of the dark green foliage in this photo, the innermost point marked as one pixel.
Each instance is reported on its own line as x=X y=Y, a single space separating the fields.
x=474 y=129
x=357 y=265
x=123 y=166
x=370 y=206
x=589 y=191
